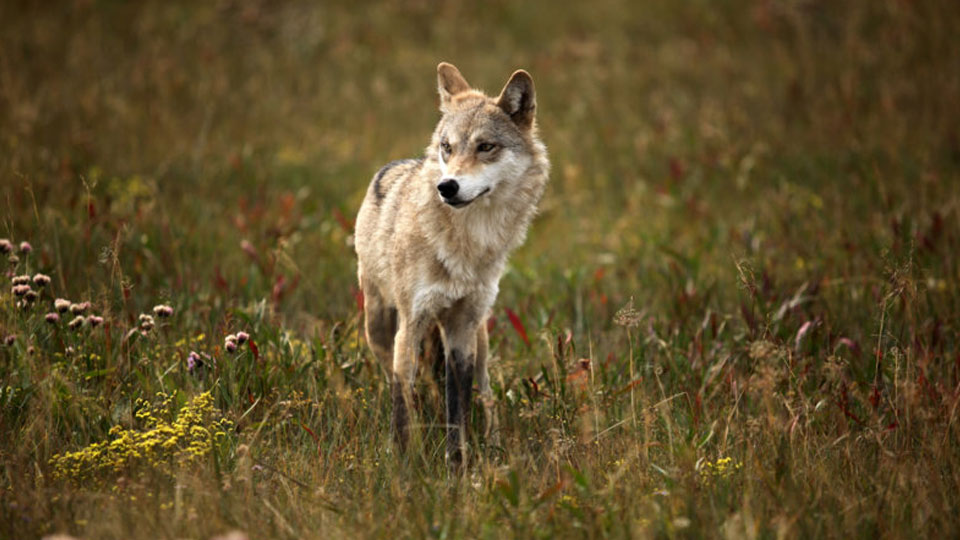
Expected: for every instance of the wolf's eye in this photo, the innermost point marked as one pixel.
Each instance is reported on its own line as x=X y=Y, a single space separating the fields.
x=445 y=146
x=485 y=147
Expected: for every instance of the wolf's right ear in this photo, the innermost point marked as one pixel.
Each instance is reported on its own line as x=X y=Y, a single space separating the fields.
x=450 y=83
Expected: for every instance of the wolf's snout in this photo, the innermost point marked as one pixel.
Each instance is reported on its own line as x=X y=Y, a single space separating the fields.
x=448 y=188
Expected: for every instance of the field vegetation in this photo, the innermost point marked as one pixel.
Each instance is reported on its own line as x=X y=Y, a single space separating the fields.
x=737 y=314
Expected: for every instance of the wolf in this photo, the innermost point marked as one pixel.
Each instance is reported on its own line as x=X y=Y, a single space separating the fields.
x=432 y=238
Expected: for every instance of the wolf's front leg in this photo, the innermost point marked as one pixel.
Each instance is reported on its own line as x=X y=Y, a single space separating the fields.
x=459 y=375
x=461 y=332
x=490 y=426
x=401 y=385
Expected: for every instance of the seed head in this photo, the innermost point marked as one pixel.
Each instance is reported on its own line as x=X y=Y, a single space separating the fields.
x=162 y=310
x=76 y=323
x=20 y=280
x=94 y=321
x=30 y=296
x=53 y=317
x=62 y=305
x=242 y=337
x=9 y=340
x=13 y=259
x=77 y=309
x=628 y=316
x=6 y=247
x=41 y=280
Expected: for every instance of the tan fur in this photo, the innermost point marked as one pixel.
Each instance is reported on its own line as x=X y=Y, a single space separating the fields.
x=425 y=263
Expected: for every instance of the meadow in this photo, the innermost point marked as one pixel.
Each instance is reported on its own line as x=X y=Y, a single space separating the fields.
x=737 y=314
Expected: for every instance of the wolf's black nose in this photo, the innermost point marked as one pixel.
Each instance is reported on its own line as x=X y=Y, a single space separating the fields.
x=448 y=188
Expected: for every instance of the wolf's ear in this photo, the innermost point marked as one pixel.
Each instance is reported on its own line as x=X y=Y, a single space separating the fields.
x=518 y=99
x=449 y=82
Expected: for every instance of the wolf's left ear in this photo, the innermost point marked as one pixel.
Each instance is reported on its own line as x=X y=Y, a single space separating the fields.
x=518 y=99
x=449 y=83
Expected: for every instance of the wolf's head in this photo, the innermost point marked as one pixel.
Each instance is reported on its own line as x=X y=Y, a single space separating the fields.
x=483 y=145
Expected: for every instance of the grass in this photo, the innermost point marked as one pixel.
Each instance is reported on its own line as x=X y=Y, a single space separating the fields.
x=737 y=314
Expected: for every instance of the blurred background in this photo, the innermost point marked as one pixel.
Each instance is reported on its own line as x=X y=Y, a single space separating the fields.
x=159 y=137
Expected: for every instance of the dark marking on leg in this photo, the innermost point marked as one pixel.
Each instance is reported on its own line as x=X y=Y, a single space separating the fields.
x=400 y=423
x=434 y=357
x=459 y=375
x=382 y=327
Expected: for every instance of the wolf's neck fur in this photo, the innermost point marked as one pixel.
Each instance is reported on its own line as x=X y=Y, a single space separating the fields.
x=481 y=235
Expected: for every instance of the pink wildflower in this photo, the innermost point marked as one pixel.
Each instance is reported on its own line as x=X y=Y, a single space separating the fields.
x=146 y=323
x=76 y=323
x=61 y=304
x=20 y=290
x=194 y=362
x=230 y=343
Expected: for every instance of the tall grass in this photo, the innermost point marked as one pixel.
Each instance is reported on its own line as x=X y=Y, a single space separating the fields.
x=737 y=314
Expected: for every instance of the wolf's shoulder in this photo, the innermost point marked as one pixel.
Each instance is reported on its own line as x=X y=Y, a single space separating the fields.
x=388 y=175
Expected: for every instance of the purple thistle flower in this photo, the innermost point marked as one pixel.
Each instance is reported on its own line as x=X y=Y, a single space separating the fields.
x=20 y=280
x=9 y=340
x=77 y=309
x=25 y=247
x=5 y=246
x=61 y=304
x=94 y=321
x=242 y=337
x=76 y=323
x=162 y=310
x=194 y=362
x=52 y=317
x=41 y=280
x=30 y=296
x=20 y=290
